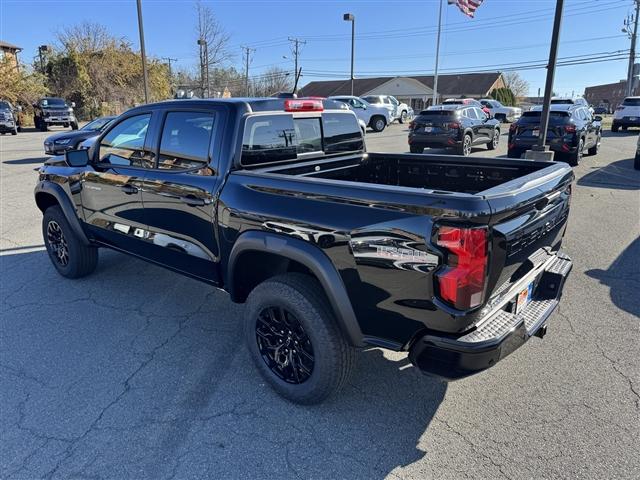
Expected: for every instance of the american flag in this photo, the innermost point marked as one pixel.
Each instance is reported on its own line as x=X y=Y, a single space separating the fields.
x=468 y=7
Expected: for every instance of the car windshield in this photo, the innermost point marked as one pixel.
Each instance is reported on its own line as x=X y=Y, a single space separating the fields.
x=97 y=124
x=5 y=106
x=53 y=102
x=631 y=102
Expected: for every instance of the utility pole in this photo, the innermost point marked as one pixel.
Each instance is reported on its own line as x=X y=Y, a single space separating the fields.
x=435 y=73
x=296 y=52
x=247 y=55
x=42 y=49
x=548 y=87
x=142 y=52
x=169 y=60
x=632 y=50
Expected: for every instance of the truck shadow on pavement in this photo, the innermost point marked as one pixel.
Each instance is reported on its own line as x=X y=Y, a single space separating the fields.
x=137 y=372
x=26 y=161
x=623 y=279
x=617 y=175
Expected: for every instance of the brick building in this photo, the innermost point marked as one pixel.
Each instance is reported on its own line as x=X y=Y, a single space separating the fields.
x=609 y=95
x=10 y=52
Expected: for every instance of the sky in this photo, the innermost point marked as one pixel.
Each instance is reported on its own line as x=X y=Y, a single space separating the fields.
x=392 y=37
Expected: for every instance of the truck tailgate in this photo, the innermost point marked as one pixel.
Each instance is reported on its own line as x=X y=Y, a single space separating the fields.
x=529 y=218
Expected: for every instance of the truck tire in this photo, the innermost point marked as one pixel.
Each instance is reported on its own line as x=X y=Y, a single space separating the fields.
x=501 y=117
x=614 y=127
x=74 y=125
x=70 y=257
x=294 y=339
x=464 y=148
x=416 y=149
x=403 y=117
x=493 y=143
x=15 y=131
x=636 y=162
x=574 y=158
x=378 y=123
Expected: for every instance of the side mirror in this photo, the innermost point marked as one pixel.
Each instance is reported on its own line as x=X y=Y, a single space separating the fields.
x=76 y=158
x=597 y=118
x=364 y=107
x=73 y=104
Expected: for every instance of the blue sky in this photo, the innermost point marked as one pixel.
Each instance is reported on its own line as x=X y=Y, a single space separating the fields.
x=392 y=37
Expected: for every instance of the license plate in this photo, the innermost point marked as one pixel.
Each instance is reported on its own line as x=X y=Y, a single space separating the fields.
x=535 y=133
x=428 y=129
x=523 y=298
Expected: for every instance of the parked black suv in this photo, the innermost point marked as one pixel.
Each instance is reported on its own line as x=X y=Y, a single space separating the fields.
x=61 y=142
x=454 y=260
x=453 y=126
x=572 y=129
x=50 y=111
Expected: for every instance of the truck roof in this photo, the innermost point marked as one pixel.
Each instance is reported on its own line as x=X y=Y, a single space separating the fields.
x=249 y=104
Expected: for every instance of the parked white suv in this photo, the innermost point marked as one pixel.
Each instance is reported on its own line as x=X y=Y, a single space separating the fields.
x=627 y=115
x=501 y=112
x=399 y=111
x=376 y=117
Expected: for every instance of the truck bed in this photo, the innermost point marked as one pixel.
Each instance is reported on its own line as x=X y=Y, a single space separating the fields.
x=440 y=173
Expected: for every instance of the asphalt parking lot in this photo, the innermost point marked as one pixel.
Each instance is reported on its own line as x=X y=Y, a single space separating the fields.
x=136 y=372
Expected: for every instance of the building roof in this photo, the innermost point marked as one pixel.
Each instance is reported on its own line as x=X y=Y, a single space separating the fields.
x=477 y=84
x=8 y=46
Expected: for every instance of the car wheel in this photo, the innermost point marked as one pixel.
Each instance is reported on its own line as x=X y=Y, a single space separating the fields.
x=574 y=158
x=15 y=131
x=636 y=162
x=403 y=117
x=69 y=255
x=513 y=153
x=594 y=150
x=493 y=144
x=294 y=339
x=378 y=123
x=74 y=126
x=624 y=129
x=416 y=149
x=465 y=147
x=614 y=127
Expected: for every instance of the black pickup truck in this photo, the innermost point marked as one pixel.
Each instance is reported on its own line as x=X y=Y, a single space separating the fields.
x=276 y=201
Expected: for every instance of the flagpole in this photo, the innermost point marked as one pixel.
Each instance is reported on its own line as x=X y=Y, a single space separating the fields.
x=435 y=76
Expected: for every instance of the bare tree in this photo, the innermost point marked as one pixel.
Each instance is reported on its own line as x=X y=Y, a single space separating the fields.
x=214 y=39
x=518 y=85
x=86 y=37
x=272 y=81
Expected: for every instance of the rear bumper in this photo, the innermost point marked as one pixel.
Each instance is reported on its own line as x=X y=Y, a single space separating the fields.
x=627 y=121
x=498 y=336
x=558 y=144
x=434 y=141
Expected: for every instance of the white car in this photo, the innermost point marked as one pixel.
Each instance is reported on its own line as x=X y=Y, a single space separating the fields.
x=399 y=111
x=374 y=116
x=500 y=111
x=572 y=101
x=627 y=115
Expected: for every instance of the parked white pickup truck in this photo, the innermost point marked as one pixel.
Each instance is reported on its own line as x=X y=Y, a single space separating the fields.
x=501 y=112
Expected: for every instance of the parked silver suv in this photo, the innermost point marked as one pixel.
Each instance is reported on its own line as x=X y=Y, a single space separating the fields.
x=8 y=122
x=376 y=117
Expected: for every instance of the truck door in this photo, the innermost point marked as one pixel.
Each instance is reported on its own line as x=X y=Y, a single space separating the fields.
x=111 y=197
x=179 y=193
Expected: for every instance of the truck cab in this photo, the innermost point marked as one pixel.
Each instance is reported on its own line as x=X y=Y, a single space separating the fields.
x=50 y=111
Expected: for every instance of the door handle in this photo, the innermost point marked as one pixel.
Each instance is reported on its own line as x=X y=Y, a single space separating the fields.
x=129 y=189
x=193 y=201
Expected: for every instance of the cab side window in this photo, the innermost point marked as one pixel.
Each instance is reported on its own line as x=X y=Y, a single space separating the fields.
x=186 y=137
x=471 y=113
x=124 y=143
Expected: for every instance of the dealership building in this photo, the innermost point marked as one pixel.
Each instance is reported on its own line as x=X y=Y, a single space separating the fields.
x=416 y=91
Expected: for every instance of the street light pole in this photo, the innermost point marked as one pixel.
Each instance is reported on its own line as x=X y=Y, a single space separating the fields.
x=349 y=17
x=551 y=70
x=142 y=52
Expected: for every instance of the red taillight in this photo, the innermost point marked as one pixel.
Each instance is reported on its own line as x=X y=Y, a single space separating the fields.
x=462 y=281
x=570 y=128
x=453 y=126
x=513 y=127
x=412 y=124
x=303 y=106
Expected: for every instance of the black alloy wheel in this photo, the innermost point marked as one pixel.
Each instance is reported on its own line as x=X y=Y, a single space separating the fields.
x=58 y=242
x=284 y=345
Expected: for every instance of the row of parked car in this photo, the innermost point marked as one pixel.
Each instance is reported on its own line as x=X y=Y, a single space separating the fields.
x=462 y=124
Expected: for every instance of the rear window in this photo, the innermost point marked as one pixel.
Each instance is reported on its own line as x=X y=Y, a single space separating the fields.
x=276 y=138
x=631 y=102
x=374 y=100
x=552 y=115
x=437 y=113
x=562 y=101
